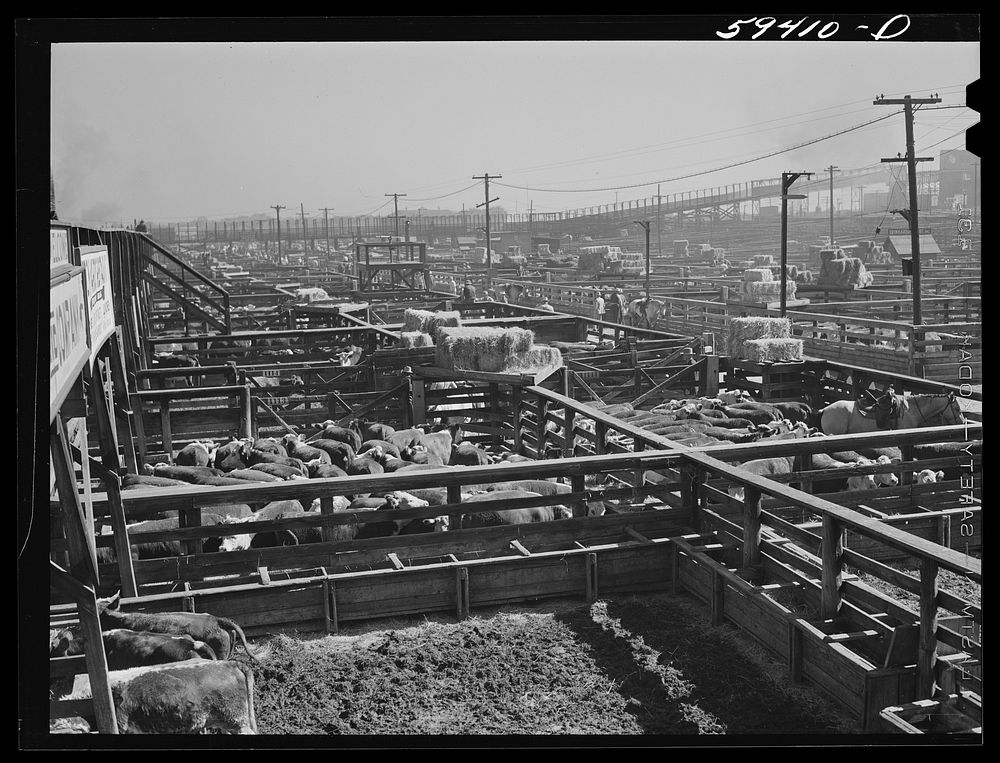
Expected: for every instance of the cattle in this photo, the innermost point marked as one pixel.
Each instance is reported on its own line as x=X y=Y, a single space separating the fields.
x=350 y=355
x=229 y=456
x=927 y=476
x=297 y=448
x=340 y=453
x=895 y=455
x=764 y=467
x=419 y=456
x=386 y=448
x=405 y=438
x=195 y=475
x=438 y=446
x=467 y=454
x=272 y=511
x=397 y=499
x=254 y=475
x=255 y=457
x=541 y=487
x=645 y=311
x=796 y=411
x=270 y=445
x=180 y=361
x=220 y=633
x=192 y=697
x=265 y=382
x=160 y=548
x=515 y=458
x=732 y=435
x=330 y=431
x=511 y=516
x=319 y=470
x=366 y=465
x=964 y=451
x=281 y=471
x=195 y=454
x=371 y=430
x=883 y=479
x=753 y=412
x=125 y=648
x=138 y=481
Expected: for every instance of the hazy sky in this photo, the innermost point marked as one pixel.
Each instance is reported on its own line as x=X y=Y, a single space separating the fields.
x=171 y=131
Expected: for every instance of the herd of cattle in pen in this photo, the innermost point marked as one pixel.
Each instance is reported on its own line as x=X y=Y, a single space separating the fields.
x=184 y=658
x=367 y=448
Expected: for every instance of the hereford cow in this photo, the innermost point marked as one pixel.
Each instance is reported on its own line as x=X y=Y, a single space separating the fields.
x=125 y=648
x=220 y=633
x=511 y=516
x=192 y=697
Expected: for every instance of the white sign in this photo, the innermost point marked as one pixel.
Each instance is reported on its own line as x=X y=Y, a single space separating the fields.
x=100 y=309
x=68 y=350
x=58 y=248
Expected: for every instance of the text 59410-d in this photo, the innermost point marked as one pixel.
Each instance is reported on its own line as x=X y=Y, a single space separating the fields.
x=894 y=27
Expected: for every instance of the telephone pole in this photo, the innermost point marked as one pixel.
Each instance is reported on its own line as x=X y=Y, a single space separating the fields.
x=326 y=226
x=277 y=208
x=489 y=243
x=302 y=211
x=659 y=222
x=831 y=169
x=395 y=207
x=911 y=160
x=645 y=227
x=787 y=178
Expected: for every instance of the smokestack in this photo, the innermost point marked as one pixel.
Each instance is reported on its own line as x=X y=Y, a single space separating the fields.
x=52 y=199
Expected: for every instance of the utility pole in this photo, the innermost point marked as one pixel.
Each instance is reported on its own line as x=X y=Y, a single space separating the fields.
x=395 y=206
x=659 y=222
x=489 y=243
x=326 y=226
x=975 y=192
x=645 y=227
x=787 y=178
x=531 y=218
x=302 y=211
x=911 y=160
x=831 y=169
x=277 y=208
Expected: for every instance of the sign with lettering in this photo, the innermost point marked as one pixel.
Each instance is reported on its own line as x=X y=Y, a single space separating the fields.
x=68 y=349
x=100 y=309
x=58 y=248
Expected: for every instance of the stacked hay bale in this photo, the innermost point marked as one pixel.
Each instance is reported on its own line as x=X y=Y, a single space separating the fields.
x=763 y=340
x=497 y=350
x=763 y=260
x=427 y=321
x=410 y=339
x=840 y=271
x=759 y=286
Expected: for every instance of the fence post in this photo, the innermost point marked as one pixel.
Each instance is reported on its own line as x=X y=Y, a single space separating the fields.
x=246 y=412
x=832 y=552
x=751 y=526
x=516 y=395
x=690 y=479
x=927 y=645
x=454 y=496
x=407 y=414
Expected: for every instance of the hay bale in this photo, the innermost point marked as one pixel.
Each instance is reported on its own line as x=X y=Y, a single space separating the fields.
x=482 y=348
x=427 y=321
x=410 y=339
x=539 y=356
x=772 y=350
x=763 y=260
x=758 y=274
x=764 y=292
x=744 y=329
x=804 y=276
x=845 y=272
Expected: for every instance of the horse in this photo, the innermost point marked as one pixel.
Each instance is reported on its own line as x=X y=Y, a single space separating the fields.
x=915 y=411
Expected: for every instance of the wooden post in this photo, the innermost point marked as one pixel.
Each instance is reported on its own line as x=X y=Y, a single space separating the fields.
x=461 y=592
x=516 y=397
x=327 y=623
x=326 y=508
x=105 y=427
x=120 y=393
x=168 y=442
x=495 y=423
x=751 y=526
x=690 y=479
x=122 y=549
x=406 y=398
x=601 y=437
x=805 y=465
x=832 y=547
x=927 y=648
x=540 y=433
x=591 y=575
x=906 y=475
x=578 y=485
x=246 y=412
x=419 y=402
x=454 y=495
x=190 y=518
x=97 y=665
x=709 y=381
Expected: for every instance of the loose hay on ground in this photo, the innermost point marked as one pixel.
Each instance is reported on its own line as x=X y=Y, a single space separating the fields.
x=633 y=665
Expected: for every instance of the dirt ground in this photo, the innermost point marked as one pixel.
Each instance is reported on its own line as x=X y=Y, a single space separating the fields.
x=632 y=665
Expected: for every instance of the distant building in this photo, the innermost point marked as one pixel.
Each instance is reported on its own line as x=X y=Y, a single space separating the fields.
x=899 y=245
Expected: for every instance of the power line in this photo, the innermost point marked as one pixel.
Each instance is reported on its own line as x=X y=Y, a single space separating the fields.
x=704 y=172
